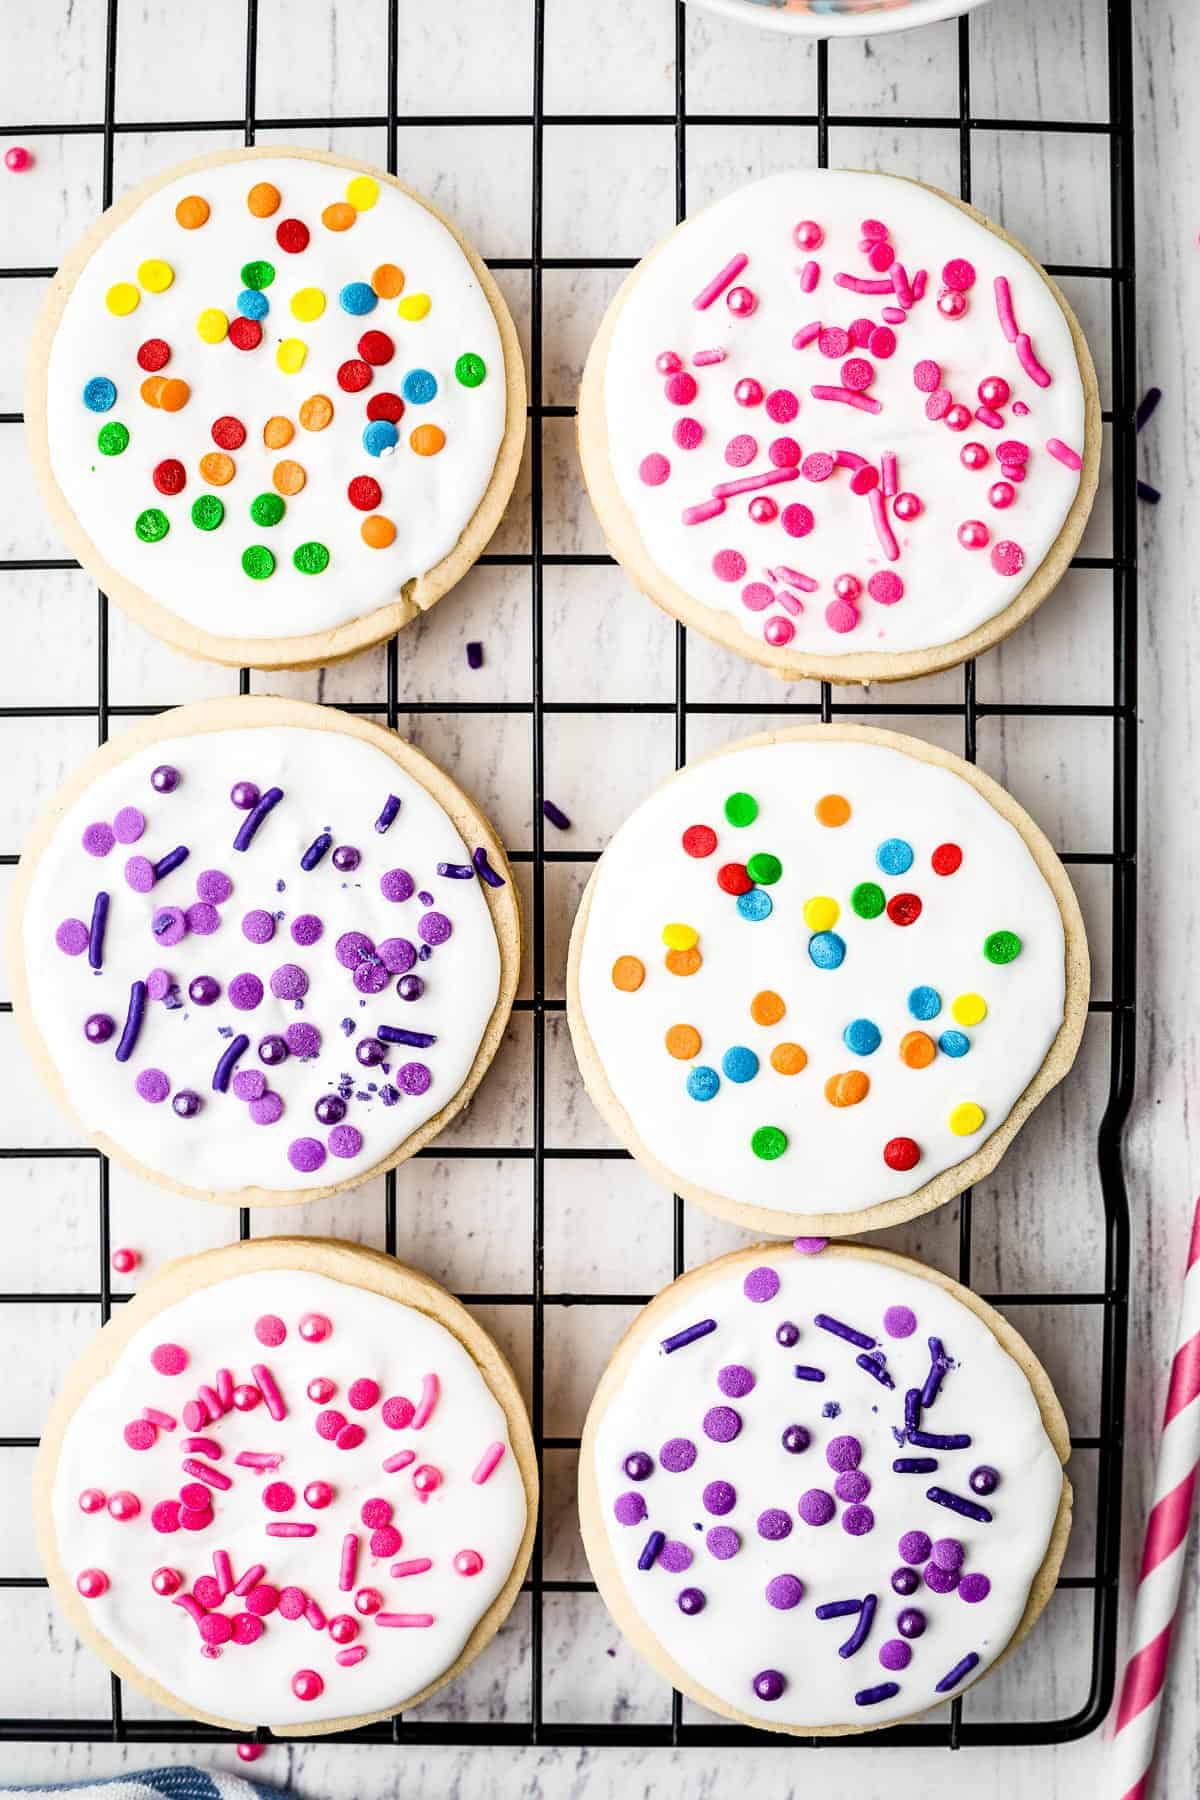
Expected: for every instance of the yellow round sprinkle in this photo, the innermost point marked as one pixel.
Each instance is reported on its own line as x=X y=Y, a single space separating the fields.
x=966 y=1119
x=414 y=306
x=969 y=1009
x=821 y=913
x=680 y=937
x=212 y=325
x=308 y=304
x=121 y=298
x=155 y=275
x=291 y=354
x=362 y=192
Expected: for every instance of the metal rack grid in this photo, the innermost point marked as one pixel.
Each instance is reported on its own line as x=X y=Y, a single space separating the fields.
x=959 y=1729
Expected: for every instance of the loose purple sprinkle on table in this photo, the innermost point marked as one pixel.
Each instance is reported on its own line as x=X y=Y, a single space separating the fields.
x=485 y=869
x=953 y=1676
x=171 y=860
x=475 y=661
x=1148 y=493
x=456 y=871
x=844 y=1331
x=391 y=807
x=956 y=1503
x=1147 y=404
x=689 y=1335
x=556 y=815
x=859 y=1635
x=254 y=819
x=316 y=850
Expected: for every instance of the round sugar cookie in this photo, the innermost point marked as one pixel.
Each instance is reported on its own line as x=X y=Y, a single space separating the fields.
x=843 y=424
x=823 y=1492
x=262 y=950
x=291 y=1484
x=819 y=979
x=276 y=406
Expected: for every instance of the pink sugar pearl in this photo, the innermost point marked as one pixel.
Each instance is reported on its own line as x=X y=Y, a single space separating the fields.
x=763 y=509
x=123 y=1506
x=318 y=1495
x=958 y=417
x=907 y=507
x=467 y=1562
x=807 y=235
x=778 y=632
x=320 y=1389
x=748 y=392
x=125 y=1261
x=246 y=1397
x=841 y=616
x=307 y=1684
x=847 y=587
x=1007 y=558
x=741 y=302
x=343 y=1629
x=426 y=1479
x=18 y=159
x=974 y=455
x=368 y=1601
x=667 y=362
x=1001 y=494
x=166 y=1581
x=994 y=391
x=91 y=1583
x=973 y=534
x=315 y=1328
x=951 y=304
x=91 y=1500
x=250 y=1752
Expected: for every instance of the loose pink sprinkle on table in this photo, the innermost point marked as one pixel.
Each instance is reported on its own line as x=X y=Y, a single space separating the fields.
x=18 y=160
x=124 y=1261
x=250 y=1752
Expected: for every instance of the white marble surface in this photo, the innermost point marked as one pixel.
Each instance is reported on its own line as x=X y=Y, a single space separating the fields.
x=609 y=192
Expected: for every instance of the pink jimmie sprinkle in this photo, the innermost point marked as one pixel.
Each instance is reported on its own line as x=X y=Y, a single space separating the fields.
x=987 y=415
x=487 y=1463
x=401 y=1460
x=1029 y=362
x=1004 y=309
x=250 y=1579
x=270 y=1392
x=895 y=315
x=430 y=1385
x=283 y=1528
x=891 y=479
x=746 y=484
x=805 y=583
x=1064 y=454
x=211 y=1401
x=849 y=459
x=223 y=1570
x=349 y=1658
x=720 y=281
x=163 y=1420
x=705 y=509
x=202 y=1471
x=703 y=359
x=191 y=1606
x=920 y=282
x=348 y=1562
x=899 y=280
x=418 y=1620
x=202 y=1446
x=417 y=1566
x=863 y=402
x=258 y=1459
x=789 y=602
x=810 y=274
x=807 y=334
x=883 y=530
x=315 y=1616
x=225 y=1387
x=858 y=284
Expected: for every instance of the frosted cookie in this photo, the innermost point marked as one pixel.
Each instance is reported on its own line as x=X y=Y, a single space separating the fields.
x=842 y=424
x=262 y=950
x=818 y=980
x=291 y=1484
x=823 y=1492
x=276 y=406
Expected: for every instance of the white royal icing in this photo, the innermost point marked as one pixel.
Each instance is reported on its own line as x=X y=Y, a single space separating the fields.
x=372 y=1337
x=984 y=1394
x=948 y=590
x=834 y=1159
x=330 y=781
x=430 y=499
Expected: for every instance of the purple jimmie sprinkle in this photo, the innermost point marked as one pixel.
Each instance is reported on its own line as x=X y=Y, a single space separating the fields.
x=939 y=1362
x=912 y=1411
x=844 y=1331
x=885 y=1690
x=486 y=871
x=838 y=1609
x=133 y=1021
x=805 y=1372
x=556 y=815
x=650 y=1552
x=474 y=656
x=680 y=1339
x=391 y=807
x=875 y=1368
x=953 y=1676
x=316 y=850
x=171 y=860
x=956 y=1503
x=456 y=871
x=396 y=1034
x=861 y=1632
x=914 y=1465
x=96 y=934
x=225 y=1064
x=940 y=1440
x=255 y=817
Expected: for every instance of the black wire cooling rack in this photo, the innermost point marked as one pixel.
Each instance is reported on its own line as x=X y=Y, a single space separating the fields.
x=958 y=1728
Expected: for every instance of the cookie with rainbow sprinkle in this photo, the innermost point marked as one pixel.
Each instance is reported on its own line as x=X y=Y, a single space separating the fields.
x=292 y=1484
x=276 y=406
x=821 y=1487
x=262 y=950
x=819 y=979
x=842 y=424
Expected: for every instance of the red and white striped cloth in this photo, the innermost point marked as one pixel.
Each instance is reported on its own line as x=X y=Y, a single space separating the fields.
x=1163 y=1553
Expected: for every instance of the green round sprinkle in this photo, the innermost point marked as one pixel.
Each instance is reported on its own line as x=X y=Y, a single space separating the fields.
x=267 y=509
x=1002 y=947
x=258 y=274
x=207 y=512
x=152 y=525
x=764 y=869
x=258 y=562
x=741 y=809
x=112 y=438
x=311 y=559
x=470 y=369
x=769 y=1142
x=867 y=899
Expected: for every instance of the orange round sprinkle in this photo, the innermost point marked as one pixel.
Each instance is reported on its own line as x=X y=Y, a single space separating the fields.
x=788 y=1059
x=277 y=432
x=316 y=412
x=427 y=440
x=917 y=1049
x=832 y=809
x=628 y=974
x=683 y=1041
x=263 y=199
x=847 y=1089
x=683 y=962
x=217 y=468
x=152 y=389
x=174 y=395
x=192 y=212
x=378 y=532
x=338 y=217
x=767 y=1008
x=388 y=281
x=288 y=477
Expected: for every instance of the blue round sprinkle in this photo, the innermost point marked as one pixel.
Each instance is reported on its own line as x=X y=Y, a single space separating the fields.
x=740 y=1064
x=419 y=387
x=358 y=298
x=954 y=1043
x=253 y=305
x=702 y=1082
x=757 y=904
x=924 y=1003
x=827 y=949
x=380 y=435
x=894 y=856
x=100 y=394
x=862 y=1036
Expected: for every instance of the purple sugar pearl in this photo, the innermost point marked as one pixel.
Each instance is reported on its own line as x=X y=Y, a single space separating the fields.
x=691 y=1601
x=939 y=1580
x=674 y=1557
x=158 y=984
x=910 y=1622
x=761 y=1284
x=773 y=1524
x=346 y=858
x=272 y=1050
x=98 y=839
x=268 y=1110
x=203 y=918
x=370 y=978
x=817 y=1507
x=204 y=990
x=289 y=982
x=974 y=1588
x=306 y=929
x=722 y=1542
x=72 y=937
x=895 y=1654
x=948 y=1553
x=434 y=928
x=795 y=1439
x=98 y=1028
x=153 y=1085
x=784 y=1592
x=258 y=927
x=905 y=1581
x=852 y=1486
x=915 y=1547
x=303 y=1041
x=306 y=1155
x=410 y=987
x=638 y=1466
x=858 y=1520
x=899 y=1321
x=244 y=795
x=413 y=1078
x=129 y=825
x=187 y=1103
x=169 y=926
x=369 y=1052
x=984 y=1479
x=397 y=955
x=345 y=1141
x=677 y=1454
x=213 y=885
x=769 y=1684
x=329 y=1110
x=351 y=947
x=722 y=1424
x=249 y=1084
x=139 y=874
x=245 y=992
x=843 y=1453
x=164 y=779
x=397 y=884
x=734 y=1380
x=787 y=1334
x=719 y=1498
x=630 y=1509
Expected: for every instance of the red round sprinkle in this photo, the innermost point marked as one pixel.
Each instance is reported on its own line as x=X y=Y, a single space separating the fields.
x=385 y=1541
x=946 y=859
x=354 y=375
x=164 y=1515
x=680 y=389
x=153 y=355
x=796 y=520
x=228 y=433
x=245 y=334
x=959 y=274
x=732 y=878
x=833 y=341
x=386 y=406
x=904 y=909
x=375 y=1513
x=170 y=476
x=365 y=493
x=262 y=1600
x=329 y=1423
x=376 y=347
x=195 y=1495
x=363 y=1394
x=169 y=1359
x=699 y=840
x=292 y=236
x=278 y=1496
x=140 y=1434
x=901 y=1154
x=882 y=342
x=860 y=332
x=856 y=373
x=397 y=1412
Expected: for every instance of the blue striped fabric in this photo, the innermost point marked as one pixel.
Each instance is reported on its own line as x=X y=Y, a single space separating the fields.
x=160 y=1784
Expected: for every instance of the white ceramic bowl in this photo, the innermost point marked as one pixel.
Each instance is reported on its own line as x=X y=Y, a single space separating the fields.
x=838 y=18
